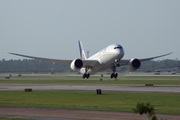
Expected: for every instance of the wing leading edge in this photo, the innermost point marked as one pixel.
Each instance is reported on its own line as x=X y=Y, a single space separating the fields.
x=90 y=63
x=126 y=61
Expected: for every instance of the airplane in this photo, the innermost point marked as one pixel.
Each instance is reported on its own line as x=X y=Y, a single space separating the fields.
x=109 y=57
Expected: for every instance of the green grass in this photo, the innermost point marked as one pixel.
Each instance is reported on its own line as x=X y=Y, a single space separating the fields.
x=163 y=103
x=90 y=82
x=157 y=80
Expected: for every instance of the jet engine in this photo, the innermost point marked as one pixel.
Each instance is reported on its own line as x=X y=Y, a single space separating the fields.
x=134 y=64
x=76 y=64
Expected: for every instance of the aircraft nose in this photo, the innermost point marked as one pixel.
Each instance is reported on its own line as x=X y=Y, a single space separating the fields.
x=121 y=52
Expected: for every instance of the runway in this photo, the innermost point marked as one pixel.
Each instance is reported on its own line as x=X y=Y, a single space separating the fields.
x=136 y=88
x=105 y=88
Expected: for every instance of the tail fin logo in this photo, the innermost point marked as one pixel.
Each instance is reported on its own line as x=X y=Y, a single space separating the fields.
x=82 y=53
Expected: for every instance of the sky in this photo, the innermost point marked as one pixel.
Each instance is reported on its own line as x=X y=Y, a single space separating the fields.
x=52 y=28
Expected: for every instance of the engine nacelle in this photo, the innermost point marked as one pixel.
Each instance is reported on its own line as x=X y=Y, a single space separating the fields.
x=76 y=64
x=134 y=64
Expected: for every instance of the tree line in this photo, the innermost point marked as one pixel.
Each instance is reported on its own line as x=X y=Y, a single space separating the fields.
x=153 y=65
x=31 y=65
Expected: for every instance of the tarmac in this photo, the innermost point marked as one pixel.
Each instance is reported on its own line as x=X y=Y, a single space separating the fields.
x=91 y=88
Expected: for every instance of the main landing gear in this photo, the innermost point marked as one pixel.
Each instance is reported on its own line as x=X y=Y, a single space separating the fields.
x=114 y=75
x=86 y=75
x=113 y=68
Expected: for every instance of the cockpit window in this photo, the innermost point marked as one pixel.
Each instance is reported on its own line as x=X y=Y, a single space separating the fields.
x=117 y=47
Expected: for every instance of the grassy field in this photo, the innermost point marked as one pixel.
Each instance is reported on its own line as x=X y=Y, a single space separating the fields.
x=163 y=103
x=157 y=80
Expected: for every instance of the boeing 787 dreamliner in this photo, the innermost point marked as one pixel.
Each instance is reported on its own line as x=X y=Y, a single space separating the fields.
x=109 y=57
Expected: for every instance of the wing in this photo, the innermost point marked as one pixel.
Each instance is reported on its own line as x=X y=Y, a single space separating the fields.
x=126 y=61
x=44 y=59
x=90 y=63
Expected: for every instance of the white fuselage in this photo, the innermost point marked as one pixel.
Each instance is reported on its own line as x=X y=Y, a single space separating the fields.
x=105 y=58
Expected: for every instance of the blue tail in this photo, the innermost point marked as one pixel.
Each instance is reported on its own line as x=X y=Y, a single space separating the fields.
x=82 y=53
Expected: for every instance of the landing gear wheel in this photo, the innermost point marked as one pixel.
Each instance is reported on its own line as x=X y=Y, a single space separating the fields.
x=86 y=75
x=113 y=75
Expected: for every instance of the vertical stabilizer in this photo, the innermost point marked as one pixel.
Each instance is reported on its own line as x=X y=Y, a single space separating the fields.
x=82 y=53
